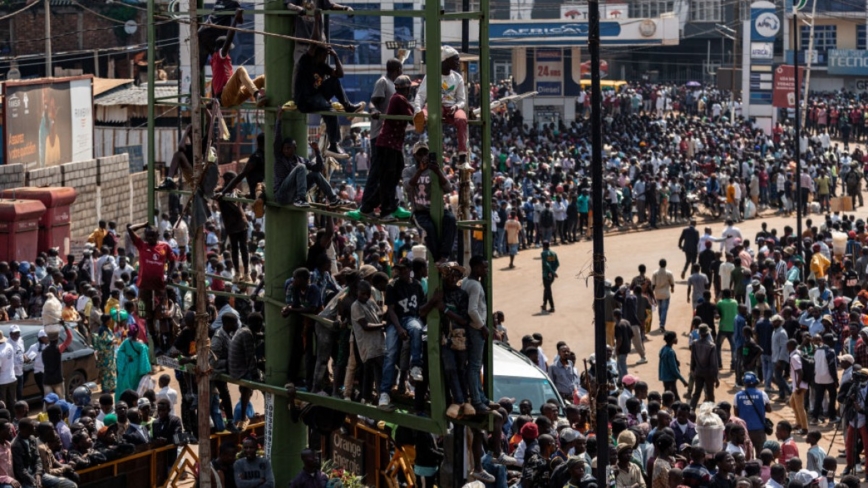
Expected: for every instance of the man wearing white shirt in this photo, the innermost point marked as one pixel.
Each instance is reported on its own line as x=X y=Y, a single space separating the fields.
x=18 y=348
x=34 y=355
x=453 y=99
x=8 y=382
x=122 y=267
x=730 y=234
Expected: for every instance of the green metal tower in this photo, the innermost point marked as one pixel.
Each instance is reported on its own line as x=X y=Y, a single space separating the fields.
x=287 y=230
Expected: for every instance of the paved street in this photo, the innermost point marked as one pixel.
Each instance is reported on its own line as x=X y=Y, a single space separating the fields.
x=518 y=293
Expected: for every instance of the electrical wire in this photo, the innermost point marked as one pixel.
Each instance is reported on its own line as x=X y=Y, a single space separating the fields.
x=13 y=14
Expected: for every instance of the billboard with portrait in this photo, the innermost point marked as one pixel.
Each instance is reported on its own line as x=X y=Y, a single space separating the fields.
x=48 y=122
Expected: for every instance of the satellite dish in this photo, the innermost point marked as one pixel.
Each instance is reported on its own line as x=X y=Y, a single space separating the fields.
x=130 y=27
x=13 y=74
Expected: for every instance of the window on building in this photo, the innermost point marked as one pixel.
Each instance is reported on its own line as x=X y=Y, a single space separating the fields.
x=860 y=37
x=404 y=29
x=362 y=31
x=705 y=11
x=651 y=8
x=825 y=37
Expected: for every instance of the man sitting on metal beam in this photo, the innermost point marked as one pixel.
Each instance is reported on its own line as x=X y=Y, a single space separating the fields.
x=316 y=83
x=233 y=87
x=453 y=99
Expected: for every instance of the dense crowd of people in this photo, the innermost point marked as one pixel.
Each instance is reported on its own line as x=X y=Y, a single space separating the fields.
x=789 y=306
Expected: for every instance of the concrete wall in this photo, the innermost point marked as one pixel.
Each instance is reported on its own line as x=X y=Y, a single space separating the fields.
x=106 y=191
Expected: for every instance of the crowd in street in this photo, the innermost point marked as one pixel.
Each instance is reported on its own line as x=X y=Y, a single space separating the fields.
x=790 y=307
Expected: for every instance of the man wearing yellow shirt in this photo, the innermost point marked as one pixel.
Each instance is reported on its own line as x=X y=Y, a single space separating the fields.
x=96 y=237
x=819 y=263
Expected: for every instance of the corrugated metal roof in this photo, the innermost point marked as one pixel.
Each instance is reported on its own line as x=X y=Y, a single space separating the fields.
x=136 y=95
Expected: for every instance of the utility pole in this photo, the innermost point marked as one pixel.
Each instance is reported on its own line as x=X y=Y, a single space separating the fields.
x=796 y=138
x=47 y=39
x=735 y=39
x=601 y=373
x=203 y=343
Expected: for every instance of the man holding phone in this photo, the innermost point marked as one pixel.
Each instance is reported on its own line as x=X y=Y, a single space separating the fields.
x=388 y=162
x=428 y=167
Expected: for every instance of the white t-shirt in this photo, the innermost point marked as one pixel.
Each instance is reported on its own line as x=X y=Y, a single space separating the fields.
x=169 y=394
x=732 y=448
x=7 y=363
x=822 y=375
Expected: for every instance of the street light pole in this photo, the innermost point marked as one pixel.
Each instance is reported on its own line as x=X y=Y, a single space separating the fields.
x=600 y=373
x=796 y=139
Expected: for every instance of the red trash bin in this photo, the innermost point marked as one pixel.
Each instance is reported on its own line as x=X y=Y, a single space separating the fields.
x=19 y=229
x=55 y=226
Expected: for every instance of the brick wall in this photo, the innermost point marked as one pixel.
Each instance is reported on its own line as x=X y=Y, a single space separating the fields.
x=50 y=176
x=11 y=176
x=71 y=29
x=82 y=176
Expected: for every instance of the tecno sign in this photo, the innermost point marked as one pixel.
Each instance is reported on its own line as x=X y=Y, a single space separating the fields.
x=847 y=62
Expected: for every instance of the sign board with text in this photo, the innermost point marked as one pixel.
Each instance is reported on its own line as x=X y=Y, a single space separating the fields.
x=48 y=122
x=852 y=62
x=549 y=72
x=348 y=453
x=784 y=94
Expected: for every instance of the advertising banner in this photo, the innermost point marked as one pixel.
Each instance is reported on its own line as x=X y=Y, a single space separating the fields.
x=847 y=62
x=48 y=122
x=549 y=73
x=784 y=94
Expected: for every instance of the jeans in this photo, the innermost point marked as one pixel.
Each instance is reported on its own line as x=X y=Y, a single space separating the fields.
x=382 y=181
x=216 y=414
x=547 y=294
x=239 y=247
x=702 y=382
x=320 y=102
x=49 y=481
x=546 y=234
x=326 y=348
x=663 y=309
x=390 y=360
x=622 y=366
x=294 y=187
x=499 y=232
x=819 y=393
x=783 y=386
x=768 y=370
x=475 y=350
x=413 y=326
x=720 y=338
x=496 y=470
x=438 y=243
x=453 y=365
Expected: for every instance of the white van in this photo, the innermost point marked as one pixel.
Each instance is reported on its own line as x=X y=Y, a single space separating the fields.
x=515 y=376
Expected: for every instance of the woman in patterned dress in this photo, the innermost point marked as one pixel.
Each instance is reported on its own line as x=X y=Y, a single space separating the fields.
x=104 y=345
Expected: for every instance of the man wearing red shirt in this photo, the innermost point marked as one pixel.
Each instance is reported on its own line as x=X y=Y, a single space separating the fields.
x=153 y=257
x=233 y=88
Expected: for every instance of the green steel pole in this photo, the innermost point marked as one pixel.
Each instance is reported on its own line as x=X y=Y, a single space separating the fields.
x=435 y=145
x=152 y=59
x=287 y=236
x=485 y=116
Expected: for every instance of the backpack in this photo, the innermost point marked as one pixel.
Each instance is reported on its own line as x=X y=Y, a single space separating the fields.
x=547 y=218
x=809 y=365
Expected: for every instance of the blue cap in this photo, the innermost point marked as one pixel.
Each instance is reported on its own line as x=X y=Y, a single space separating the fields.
x=51 y=398
x=64 y=406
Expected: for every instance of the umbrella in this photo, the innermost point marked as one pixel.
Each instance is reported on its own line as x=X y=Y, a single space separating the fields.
x=693 y=84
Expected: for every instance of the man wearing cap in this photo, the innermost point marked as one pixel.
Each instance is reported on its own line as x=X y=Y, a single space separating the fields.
x=453 y=99
x=421 y=184
x=386 y=166
x=706 y=369
x=17 y=344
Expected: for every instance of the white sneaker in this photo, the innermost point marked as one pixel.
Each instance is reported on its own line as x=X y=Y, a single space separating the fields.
x=385 y=401
x=416 y=373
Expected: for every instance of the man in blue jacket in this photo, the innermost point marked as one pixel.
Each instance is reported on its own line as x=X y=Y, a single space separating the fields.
x=668 y=371
x=751 y=405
